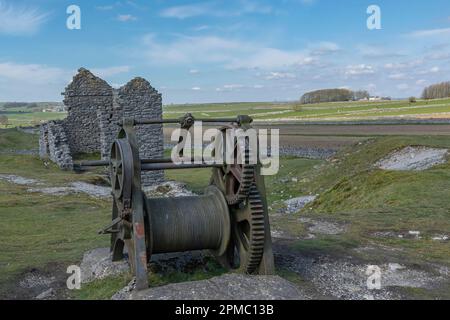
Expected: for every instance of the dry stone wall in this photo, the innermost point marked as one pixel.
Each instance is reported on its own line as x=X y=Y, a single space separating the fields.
x=94 y=110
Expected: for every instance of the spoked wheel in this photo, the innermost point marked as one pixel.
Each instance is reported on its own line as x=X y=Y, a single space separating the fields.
x=121 y=169
x=121 y=175
x=236 y=178
x=248 y=230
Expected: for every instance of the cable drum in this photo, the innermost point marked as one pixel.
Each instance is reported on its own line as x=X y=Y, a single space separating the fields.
x=189 y=223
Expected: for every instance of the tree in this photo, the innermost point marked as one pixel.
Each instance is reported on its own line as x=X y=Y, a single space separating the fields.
x=327 y=95
x=4 y=120
x=361 y=94
x=412 y=100
x=437 y=91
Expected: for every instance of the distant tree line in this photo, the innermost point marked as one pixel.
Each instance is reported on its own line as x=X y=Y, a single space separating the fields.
x=333 y=95
x=10 y=105
x=437 y=91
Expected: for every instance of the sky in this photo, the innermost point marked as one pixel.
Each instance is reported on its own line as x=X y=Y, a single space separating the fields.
x=225 y=51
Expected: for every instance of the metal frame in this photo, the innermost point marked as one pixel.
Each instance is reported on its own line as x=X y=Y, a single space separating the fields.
x=131 y=220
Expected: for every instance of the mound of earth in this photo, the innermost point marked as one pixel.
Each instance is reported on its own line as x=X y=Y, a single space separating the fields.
x=225 y=287
x=413 y=158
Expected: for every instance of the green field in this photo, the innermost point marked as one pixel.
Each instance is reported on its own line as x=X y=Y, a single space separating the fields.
x=265 y=111
x=322 y=111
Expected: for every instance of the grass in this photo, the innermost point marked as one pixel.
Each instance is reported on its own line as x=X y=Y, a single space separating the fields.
x=322 y=111
x=39 y=229
x=352 y=110
x=12 y=140
x=30 y=118
x=353 y=191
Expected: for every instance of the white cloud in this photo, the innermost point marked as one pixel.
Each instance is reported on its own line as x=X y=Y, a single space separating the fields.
x=20 y=20
x=30 y=73
x=196 y=88
x=193 y=71
x=377 y=51
x=271 y=58
x=186 y=11
x=110 y=71
x=421 y=81
x=280 y=75
x=232 y=54
x=201 y=28
x=324 y=47
x=233 y=86
x=32 y=82
x=397 y=76
x=434 y=69
x=359 y=69
x=126 y=18
x=213 y=9
x=230 y=87
x=37 y=82
x=403 y=65
x=430 y=33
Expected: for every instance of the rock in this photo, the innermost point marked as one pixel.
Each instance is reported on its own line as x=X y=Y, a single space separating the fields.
x=415 y=234
x=97 y=264
x=76 y=187
x=395 y=267
x=323 y=227
x=35 y=279
x=307 y=152
x=226 y=287
x=91 y=189
x=295 y=204
x=440 y=238
x=47 y=294
x=17 y=179
x=168 y=189
x=413 y=158
x=294 y=180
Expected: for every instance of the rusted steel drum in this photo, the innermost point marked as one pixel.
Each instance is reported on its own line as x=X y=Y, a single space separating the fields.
x=188 y=223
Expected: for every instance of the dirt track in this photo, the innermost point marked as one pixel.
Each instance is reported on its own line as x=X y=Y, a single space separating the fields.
x=338 y=136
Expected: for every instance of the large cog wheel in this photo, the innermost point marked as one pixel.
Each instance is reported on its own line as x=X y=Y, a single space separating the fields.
x=248 y=229
x=235 y=179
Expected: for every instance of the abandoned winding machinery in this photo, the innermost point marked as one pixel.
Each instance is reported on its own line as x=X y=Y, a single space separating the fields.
x=230 y=218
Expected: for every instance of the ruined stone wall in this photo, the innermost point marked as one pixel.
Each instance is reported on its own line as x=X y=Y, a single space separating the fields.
x=139 y=100
x=94 y=110
x=108 y=117
x=58 y=145
x=83 y=97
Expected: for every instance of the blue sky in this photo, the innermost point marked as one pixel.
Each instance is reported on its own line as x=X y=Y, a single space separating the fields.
x=216 y=51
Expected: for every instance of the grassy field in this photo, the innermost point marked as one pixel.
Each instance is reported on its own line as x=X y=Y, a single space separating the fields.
x=265 y=111
x=322 y=111
x=38 y=230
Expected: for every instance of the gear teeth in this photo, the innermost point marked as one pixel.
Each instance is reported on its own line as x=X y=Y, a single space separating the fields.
x=248 y=177
x=257 y=231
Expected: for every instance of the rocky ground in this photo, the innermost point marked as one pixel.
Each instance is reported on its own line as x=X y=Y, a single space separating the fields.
x=413 y=158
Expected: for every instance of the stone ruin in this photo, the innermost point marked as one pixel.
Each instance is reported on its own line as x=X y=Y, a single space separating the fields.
x=94 y=110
